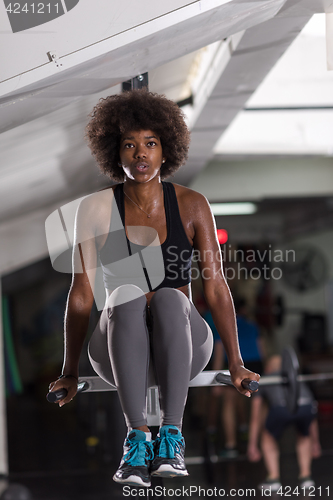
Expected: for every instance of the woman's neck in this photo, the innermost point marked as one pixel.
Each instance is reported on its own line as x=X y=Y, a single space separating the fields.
x=144 y=194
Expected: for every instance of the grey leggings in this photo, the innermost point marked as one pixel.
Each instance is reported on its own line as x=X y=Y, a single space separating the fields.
x=132 y=347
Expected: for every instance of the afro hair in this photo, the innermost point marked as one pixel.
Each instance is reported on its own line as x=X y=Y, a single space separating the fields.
x=132 y=111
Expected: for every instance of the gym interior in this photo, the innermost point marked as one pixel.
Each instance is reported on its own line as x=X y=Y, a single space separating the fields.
x=255 y=81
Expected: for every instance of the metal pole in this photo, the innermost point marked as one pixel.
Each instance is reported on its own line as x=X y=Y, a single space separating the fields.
x=3 y=416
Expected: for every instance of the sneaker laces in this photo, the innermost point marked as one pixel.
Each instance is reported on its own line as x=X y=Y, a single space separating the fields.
x=168 y=445
x=136 y=456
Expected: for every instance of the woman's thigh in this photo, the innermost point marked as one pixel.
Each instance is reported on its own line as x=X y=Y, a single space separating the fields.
x=174 y=310
x=124 y=310
x=98 y=350
x=202 y=342
x=201 y=336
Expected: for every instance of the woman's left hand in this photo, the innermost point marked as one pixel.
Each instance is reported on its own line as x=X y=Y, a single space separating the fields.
x=240 y=373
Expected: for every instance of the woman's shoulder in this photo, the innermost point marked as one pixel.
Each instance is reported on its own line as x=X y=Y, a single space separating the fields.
x=191 y=201
x=194 y=209
x=98 y=200
x=189 y=195
x=95 y=209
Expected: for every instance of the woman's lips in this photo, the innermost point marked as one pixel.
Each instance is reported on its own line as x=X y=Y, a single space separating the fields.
x=141 y=167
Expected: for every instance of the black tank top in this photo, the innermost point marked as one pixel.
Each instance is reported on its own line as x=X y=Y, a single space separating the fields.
x=149 y=267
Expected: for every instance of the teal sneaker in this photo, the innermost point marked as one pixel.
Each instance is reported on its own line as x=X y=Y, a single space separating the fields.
x=169 y=449
x=135 y=464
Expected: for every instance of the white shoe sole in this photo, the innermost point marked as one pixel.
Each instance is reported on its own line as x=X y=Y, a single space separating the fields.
x=273 y=487
x=168 y=471
x=307 y=484
x=131 y=481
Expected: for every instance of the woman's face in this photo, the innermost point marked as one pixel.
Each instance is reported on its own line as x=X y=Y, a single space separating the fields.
x=141 y=155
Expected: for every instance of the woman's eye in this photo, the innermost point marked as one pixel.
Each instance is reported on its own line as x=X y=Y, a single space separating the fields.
x=152 y=143
x=128 y=145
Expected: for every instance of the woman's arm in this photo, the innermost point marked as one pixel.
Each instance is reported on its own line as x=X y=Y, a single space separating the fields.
x=216 y=290
x=217 y=364
x=79 y=302
x=218 y=356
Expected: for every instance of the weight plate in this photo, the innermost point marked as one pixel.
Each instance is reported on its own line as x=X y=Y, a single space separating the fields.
x=290 y=368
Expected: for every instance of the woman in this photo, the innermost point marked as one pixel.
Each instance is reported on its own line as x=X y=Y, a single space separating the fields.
x=149 y=327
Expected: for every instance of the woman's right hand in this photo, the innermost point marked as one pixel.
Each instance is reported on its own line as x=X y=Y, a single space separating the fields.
x=68 y=383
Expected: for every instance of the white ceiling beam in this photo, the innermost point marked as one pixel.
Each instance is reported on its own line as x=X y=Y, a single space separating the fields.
x=121 y=57
x=329 y=41
x=258 y=178
x=257 y=52
x=22 y=241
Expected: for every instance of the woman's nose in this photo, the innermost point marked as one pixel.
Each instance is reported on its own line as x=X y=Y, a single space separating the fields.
x=140 y=151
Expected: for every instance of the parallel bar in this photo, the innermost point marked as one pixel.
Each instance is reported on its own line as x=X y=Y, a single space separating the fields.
x=95 y=384
x=272 y=380
x=208 y=377
x=204 y=379
x=314 y=377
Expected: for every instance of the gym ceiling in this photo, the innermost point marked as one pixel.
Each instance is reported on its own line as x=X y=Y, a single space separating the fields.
x=216 y=53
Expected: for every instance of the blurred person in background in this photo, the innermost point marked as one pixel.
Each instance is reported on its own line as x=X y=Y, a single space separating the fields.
x=267 y=424
x=234 y=414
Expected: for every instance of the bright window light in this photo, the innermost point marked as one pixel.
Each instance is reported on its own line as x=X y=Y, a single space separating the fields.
x=233 y=208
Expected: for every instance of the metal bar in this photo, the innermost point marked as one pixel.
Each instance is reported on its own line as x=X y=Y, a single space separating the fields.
x=208 y=378
x=272 y=380
x=153 y=407
x=138 y=82
x=289 y=108
x=96 y=384
x=205 y=379
x=3 y=413
x=314 y=377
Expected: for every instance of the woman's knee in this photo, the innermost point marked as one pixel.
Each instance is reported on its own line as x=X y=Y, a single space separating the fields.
x=125 y=294
x=169 y=297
